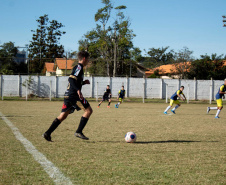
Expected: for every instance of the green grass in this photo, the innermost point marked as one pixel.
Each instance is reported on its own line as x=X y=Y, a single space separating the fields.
x=186 y=148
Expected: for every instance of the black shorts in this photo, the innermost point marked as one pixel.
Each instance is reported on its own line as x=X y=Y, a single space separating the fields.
x=74 y=103
x=105 y=98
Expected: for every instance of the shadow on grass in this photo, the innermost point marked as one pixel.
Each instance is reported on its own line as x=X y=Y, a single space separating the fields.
x=172 y=141
x=153 y=142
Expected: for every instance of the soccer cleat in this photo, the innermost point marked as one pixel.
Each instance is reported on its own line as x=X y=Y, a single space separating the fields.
x=208 y=110
x=108 y=106
x=98 y=106
x=47 y=137
x=173 y=111
x=165 y=112
x=217 y=117
x=116 y=105
x=81 y=135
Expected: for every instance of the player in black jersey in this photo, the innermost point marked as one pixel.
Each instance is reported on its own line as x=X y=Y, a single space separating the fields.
x=106 y=96
x=73 y=99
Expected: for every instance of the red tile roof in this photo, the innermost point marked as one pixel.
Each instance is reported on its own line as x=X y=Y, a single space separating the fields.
x=61 y=63
x=167 y=69
x=171 y=68
x=50 y=67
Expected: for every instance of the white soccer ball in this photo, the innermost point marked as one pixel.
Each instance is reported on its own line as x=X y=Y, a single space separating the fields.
x=130 y=137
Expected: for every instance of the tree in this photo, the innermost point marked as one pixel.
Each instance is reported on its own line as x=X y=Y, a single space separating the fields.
x=208 y=67
x=8 y=64
x=157 y=57
x=45 y=46
x=109 y=45
x=182 y=61
x=7 y=55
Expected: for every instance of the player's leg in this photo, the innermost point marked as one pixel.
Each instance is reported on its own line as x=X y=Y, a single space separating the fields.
x=56 y=122
x=99 y=104
x=120 y=101
x=219 y=107
x=211 y=108
x=84 y=104
x=177 y=106
x=109 y=102
x=167 y=108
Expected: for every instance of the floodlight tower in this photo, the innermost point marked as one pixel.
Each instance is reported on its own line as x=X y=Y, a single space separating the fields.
x=224 y=20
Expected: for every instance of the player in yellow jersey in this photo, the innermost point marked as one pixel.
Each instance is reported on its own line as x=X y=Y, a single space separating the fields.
x=173 y=100
x=120 y=97
x=220 y=94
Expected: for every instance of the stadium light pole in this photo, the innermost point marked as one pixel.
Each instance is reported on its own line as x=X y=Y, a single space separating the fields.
x=224 y=20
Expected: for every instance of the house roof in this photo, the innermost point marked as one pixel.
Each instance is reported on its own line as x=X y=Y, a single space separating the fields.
x=168 y=69
x=49 y=67
x=172 y=68
x=61 y=63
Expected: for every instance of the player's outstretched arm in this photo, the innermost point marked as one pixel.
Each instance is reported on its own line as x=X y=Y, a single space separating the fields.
x=180 y=97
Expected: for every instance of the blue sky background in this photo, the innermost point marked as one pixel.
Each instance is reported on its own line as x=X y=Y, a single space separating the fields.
x=196 y=24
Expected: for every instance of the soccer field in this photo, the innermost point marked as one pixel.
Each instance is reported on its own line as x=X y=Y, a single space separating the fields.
x=186 y=148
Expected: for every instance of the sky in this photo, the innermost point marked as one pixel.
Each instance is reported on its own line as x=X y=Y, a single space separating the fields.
x=196 y=24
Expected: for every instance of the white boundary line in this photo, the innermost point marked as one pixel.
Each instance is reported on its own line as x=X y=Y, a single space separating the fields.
x=48 y=166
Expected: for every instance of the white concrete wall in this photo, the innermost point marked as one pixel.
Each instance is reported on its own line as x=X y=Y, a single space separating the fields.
x=14 y=85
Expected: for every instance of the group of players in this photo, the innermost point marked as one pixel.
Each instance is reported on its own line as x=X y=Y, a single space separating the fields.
x=179 y=93
x=74 y=100
x=107 y=96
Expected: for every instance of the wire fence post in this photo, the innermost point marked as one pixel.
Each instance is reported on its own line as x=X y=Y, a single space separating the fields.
x=210 y=94
x=161 y=89
x=195 y=88
x=188 y=96
x=97 y=92
x=19 y=85
x=91 y=86
x=26 y=90
x=56 y=87
x=166 y=93
x=2 y=89
x=144 y=90
x=50 y=91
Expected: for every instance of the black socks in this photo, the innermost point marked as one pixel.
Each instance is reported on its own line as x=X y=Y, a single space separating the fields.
x=54 y=125
x=109 y=103
x=82 y=124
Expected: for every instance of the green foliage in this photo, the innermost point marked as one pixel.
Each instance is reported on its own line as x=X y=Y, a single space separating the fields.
x=208 y=67
x=155 y=74
x=45 y=43
x=157 y=57
x=8 y=66
x=111 y=44
x=181 y=59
